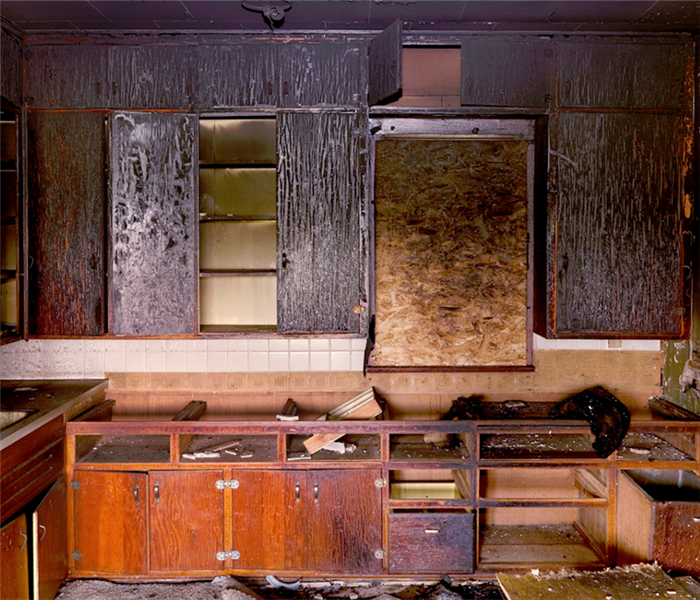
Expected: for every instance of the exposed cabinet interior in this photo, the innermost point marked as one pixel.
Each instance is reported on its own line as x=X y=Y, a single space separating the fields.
x=11 y=235
x=237 y=224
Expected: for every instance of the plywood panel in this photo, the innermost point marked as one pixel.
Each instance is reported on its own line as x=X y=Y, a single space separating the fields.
x=621 y=213
x=67 y=231
x=319 y=201
x=451 y=253
x=154 y=220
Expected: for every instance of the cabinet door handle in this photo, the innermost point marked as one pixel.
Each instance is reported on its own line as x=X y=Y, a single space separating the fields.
x=432 y=530
x=136 y=493
x=696 y=519
x=297 y=491
x=315 y=492
x=156 y=491
x=43 y=532
x=24 y=541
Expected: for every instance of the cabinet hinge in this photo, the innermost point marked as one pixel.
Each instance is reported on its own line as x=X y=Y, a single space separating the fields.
x=380 y=482
x=222 y=484
x=75 y=555
x=233 y=555
x=75 y=484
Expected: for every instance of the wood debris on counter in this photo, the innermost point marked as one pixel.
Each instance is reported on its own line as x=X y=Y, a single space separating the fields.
x=290 y=411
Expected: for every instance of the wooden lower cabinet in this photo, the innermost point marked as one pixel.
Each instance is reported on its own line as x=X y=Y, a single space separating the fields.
x=186 y=521
x=14 y=550
x=318 y=520
x=110 y=522
x=50 y=540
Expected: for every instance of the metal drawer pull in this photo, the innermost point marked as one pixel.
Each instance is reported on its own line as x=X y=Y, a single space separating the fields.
x=696 y=519
x=136 y=494
x=315 y=492
x=297 y=491
x=432 y=531
x=156 y=491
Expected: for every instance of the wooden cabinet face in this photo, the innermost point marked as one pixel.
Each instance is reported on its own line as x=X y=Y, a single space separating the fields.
x=619 y=249
x=268 y=520
x=319 y=195
x=321 y=520
x=344 y=521
x=152 y=273
x=50 y=542
x=110 y=522
x=186 y=529
x=14 y=548
x=66 y=228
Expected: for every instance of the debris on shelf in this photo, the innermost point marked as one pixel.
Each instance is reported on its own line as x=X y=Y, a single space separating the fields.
x=290 y=411
x=363 y=406
x=461 y=409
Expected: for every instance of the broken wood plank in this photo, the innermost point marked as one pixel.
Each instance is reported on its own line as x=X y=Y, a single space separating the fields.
x=363 y=406
x=669 y=410
x=290 y=411
x=638 y=582
x=192 y=412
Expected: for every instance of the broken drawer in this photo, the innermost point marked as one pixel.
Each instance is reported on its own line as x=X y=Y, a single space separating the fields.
x=659 y=519
x=439 y=542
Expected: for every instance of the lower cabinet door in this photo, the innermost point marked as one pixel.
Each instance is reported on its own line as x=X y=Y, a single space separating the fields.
x=14 y=547
x=186 y=520
x=431 y=543
x=109 y=514
x=344 y=521
x=269 y=527
x=50 y=534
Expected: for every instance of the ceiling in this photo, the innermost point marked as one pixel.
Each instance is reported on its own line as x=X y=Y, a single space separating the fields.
x=651 y=16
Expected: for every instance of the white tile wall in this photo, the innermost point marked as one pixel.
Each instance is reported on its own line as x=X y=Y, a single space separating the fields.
x=38 y=359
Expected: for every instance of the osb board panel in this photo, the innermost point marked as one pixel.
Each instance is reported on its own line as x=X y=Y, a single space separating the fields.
x=451 y=252
x=639 y=582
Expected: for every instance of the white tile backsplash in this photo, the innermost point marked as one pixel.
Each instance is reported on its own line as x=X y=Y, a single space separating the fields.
x=52 y=359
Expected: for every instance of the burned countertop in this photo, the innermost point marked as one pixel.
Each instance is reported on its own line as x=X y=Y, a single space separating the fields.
x=26 y=405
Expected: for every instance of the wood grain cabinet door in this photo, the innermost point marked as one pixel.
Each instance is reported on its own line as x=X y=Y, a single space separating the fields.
x=344 y=516
x=186 y=510
x=50 y=534
x=154 y=223
x=269 y=520
x=14 y=574
x=109 y=512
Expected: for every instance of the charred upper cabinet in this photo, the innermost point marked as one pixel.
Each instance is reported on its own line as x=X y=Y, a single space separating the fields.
x=107 y=76
x=506 y=72
x=620 y=191
x=11 y=53
x=65 y=244
x=153 y=280
x=278 y=75
x=385 y=64
x=319 y=195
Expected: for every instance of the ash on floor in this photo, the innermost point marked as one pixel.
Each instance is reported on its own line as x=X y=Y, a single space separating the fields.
x=227 y=588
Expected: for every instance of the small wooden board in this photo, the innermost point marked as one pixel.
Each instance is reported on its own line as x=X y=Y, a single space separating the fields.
x=638 y=582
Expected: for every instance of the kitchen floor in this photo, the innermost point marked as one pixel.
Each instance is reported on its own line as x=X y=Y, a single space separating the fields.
x=227 y=588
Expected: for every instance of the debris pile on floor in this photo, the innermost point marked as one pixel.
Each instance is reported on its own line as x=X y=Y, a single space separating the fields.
x=227 y=588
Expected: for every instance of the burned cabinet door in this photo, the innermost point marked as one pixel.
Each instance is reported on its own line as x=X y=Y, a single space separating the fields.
x=14 y=551
x=269 y=520
x=506 y=73
x=618 y=235
x=153 y=279
x=345 y=521
x=385 y=64
x=50 y=534
x=319 y=196
x=109 y=522
x=186 y=527
x=66 y=229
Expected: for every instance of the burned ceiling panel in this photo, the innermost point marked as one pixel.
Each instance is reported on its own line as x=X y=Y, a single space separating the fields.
x=357 y=15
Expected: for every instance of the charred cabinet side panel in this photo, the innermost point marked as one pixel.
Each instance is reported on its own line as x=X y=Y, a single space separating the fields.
x=385 y=64
x=66 y=202
x=152 y=189
x=11 y=53
x=319 y=195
